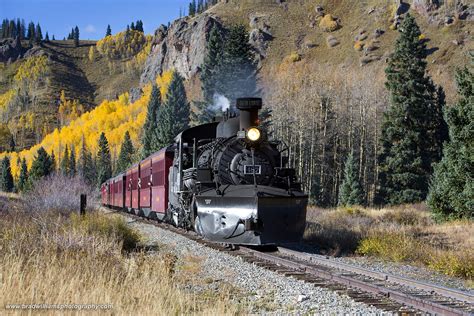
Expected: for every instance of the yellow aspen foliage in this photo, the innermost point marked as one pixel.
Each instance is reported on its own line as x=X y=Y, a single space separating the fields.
x=164 y=81
x=5 y=99
x=68 y=110
x=32 y=69
x=113 y=118
x=121 y=45
x=91 y=53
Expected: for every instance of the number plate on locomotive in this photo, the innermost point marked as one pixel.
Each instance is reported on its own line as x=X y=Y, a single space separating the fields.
x=249 y=169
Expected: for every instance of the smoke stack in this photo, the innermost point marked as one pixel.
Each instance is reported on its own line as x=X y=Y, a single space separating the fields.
x=248 y=111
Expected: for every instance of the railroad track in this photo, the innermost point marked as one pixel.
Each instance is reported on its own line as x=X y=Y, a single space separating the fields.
x=385 y=291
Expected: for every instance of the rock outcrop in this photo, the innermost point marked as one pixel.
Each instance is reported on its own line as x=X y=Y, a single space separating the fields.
x=10 y=49
x=260 y=35
x=182 y=47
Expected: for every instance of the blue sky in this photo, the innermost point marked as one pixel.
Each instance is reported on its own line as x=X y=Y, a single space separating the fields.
x=92 y=16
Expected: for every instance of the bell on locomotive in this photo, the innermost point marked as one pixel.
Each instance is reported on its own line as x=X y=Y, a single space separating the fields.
x=235 y=186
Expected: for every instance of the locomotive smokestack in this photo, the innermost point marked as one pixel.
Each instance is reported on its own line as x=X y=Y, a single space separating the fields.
x=249 y=111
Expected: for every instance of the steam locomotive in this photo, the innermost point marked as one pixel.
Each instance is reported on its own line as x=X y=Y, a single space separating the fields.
x=226 y=180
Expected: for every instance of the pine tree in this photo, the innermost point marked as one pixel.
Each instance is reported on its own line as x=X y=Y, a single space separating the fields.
x=6 y=183
x=38 y=34
x=209 y=75
x=351 y=192
x=192 y=8
x=54 y=38
x=139 y=26
x=125 y=158
x=76 y=36
x=109 y=31
x=12 y=143
x=31 y=33
x=151 y=123
x=174 y=115
x=65 y=165
x=104 y=161
x=132 y=26
x=452 y=188
x=413 y=128
x=236 y=77
x=23 y=179
x=53 y=162
x=72 y=163
x=41 y=167
x=46 y=38
x=86 y=167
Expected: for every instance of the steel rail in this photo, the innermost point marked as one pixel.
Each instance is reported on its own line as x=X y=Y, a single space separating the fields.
x=398 y=296
x=430 y=287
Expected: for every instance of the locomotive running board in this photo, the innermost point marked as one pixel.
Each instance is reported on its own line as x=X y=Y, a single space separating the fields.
x=251 y=216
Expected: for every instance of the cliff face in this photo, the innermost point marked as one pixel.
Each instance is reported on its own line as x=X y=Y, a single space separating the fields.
x=182 y=47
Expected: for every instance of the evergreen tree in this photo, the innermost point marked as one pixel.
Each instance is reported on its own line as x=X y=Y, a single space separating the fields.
x=351 y=192
x=151 y=123
x=125 y=158
x=31 y=34
x=23 y=30
x=209 y=75
x=42 y=165
x=132 y=26
x=46 y=38
x=70 y=36
x=413 y=128
x=18 y=29
x=192 y=8
x=236 y=76
x=6 y=183
x=86 y=167
x=200 y=6
x=174 y=115
x=65 y=165
x=54 y=38
x=452 y=188
x=12 y=144
x=53 y=162
x=139 y=26
x=72 y=163
x=109 y=31
x=104 y=161
x=38 y=34
x=76 y=36
x=23 y=179
x=12 y=29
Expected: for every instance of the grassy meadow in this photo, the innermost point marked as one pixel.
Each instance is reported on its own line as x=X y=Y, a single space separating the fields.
x=405 y=233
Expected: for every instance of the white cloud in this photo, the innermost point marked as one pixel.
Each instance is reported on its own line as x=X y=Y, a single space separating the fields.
x=90 y=28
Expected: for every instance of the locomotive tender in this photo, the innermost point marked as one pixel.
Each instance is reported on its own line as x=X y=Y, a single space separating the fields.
x=225 y=180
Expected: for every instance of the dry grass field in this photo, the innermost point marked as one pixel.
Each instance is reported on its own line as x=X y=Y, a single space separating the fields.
x=405 y=233
x=46 y=258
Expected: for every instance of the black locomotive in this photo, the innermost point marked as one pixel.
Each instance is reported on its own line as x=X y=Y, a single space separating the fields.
x=226 y=181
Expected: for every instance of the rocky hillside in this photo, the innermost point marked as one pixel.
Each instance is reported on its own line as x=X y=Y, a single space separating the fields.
x=355 y=35
x=31 y=108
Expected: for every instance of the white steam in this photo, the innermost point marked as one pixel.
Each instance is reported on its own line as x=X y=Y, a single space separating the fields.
x=220 y=103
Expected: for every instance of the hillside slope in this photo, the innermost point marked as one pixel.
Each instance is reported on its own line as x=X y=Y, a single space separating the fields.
x=86 y=79
x=295 y=27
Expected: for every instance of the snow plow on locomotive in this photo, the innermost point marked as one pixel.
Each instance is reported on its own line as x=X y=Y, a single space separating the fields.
x=225 y=180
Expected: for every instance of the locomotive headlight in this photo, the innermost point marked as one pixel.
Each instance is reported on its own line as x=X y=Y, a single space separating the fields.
x=253 y=134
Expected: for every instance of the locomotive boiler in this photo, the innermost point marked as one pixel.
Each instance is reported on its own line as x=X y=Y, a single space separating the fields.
x=226 y=180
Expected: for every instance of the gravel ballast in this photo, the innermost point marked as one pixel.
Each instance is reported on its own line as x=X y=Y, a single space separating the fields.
x=264 y=291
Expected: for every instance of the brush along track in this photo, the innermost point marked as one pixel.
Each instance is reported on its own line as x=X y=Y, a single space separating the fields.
x=386 y=292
